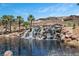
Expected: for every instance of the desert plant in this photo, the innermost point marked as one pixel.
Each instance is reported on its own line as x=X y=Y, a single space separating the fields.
x=74 y=26
x=20 y=20
x=26 y=24
x=30 y=19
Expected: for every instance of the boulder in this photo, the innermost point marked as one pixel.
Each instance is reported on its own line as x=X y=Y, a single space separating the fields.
x=73 y=37
x=67 y=40
x=8 y=53
x=72 y=43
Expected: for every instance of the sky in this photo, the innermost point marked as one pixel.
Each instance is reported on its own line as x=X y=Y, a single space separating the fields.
x=39 y=10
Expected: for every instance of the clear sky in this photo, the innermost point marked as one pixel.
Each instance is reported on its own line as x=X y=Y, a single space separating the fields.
x=39 y=9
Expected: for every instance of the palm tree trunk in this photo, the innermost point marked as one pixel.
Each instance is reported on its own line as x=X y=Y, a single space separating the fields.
x=30 y=25
x=6 y=27
x=19 y=25
x=10 y=27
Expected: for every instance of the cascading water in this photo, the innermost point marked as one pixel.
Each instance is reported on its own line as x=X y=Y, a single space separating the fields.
x=40 y=33
x=46 y=35
x=38 y=42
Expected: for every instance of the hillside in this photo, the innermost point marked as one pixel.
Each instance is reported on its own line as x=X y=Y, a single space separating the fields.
x=65 y=18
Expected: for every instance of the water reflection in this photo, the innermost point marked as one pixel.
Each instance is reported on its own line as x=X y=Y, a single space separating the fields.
x=29 y=45
x=21 y=47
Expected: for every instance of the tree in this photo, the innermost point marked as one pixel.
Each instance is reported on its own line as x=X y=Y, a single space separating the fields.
x=4 y=21
x=10 y=20
x=20 y=20
x=7 y=21
x=30 y=19
x=0 y=22
x=25 y=24
x=74 y=26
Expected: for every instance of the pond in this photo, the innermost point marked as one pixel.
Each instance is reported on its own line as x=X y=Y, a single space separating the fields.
x=28 y=45
x=22 y=47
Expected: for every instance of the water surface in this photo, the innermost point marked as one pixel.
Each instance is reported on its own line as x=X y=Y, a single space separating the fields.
x=22 y=47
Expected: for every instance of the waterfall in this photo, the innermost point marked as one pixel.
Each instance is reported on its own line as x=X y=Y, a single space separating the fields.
x=41 y=33
x=38 y=42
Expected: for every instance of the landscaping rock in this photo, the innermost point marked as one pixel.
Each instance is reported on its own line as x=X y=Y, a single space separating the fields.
x=8 y=53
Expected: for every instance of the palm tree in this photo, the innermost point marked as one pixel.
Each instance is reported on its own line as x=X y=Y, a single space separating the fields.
x=20 y=20
x=10 y=19
x=7 y=20
x=30 y=19
x=4 y=21
x=0 y=21
x=25 y=24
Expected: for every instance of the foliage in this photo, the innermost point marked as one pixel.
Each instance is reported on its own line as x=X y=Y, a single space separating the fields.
x=69 y=23
x=9 y=22
x=30 y=19
x=26 y=24
x=74 y=26
x=19 y=20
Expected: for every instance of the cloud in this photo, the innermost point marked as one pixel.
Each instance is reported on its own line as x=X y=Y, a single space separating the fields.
x=61 y=10
x=44 y=9
x=57 y=8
